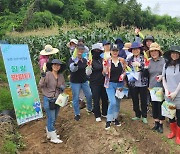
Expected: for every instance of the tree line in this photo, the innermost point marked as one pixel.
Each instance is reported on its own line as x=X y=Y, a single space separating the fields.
x=23 y=15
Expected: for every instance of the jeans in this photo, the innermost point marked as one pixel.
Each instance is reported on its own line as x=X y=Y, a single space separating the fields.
x=135 y=92
x=51 y=114
x=98 y=91
x=114 y=102
x=75 y=92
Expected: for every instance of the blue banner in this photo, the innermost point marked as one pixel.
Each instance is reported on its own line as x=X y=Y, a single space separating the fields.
x=22 y=82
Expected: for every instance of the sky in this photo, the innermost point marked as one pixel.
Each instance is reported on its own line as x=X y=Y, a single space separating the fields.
x=161 y=7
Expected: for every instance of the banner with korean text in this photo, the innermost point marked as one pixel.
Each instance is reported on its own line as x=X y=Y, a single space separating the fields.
x=22 y=82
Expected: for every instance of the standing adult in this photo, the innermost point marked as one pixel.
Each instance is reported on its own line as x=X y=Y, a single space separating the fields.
x=139 y=86
x=52 y=84
x=113 y=70
x=97 y=82
x=72 y=45
x=171 y=83
x=120 y=45
x=78 y=80
x=155 y=77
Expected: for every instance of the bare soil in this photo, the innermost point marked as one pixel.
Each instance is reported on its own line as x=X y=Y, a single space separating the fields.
x=90 y=137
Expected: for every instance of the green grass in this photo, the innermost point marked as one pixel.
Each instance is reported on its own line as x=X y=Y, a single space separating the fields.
x=5 y=99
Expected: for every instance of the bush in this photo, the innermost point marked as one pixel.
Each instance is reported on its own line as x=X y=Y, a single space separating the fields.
x=41 y=19
x=161 y=27
x=59 y=20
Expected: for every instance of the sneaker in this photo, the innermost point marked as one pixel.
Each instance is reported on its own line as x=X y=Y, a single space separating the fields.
x=89 y=111
x=104 y=116
x=135 y=118
x=144 y=120
x=98 y=119
x=77 y=117
x=117 y=123
x=108 y=125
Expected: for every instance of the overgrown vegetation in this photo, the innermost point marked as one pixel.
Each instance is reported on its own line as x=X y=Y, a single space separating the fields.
x=23 y=15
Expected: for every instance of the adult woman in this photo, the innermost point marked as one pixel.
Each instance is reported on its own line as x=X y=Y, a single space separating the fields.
x=155 y=77
x=171 y=83
x=52 y=84
x=78 y=80
x=138 y=86
x=97 y=82
x=113 y=69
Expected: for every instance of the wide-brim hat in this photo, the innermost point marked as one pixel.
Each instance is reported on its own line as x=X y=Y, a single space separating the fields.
x=136 y=45
x=148 y=37
x=174 y=48
x=127 y=46
x=48 y=50
x=75 y=41
x=98 y=46
x=56 y=61
x=154 y=46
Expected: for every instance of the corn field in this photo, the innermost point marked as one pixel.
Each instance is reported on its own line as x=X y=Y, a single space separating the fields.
x=91 y=36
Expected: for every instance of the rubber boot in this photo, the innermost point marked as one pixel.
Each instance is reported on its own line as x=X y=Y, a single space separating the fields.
x=160 y=129
x=54 y=138
x=156 y=125
x=178 y=135
x=173 y=130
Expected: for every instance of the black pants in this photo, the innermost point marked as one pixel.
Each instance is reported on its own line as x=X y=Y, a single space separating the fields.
x=177 y=118
x=98 y=91
x=156 y=109
x=135 y=92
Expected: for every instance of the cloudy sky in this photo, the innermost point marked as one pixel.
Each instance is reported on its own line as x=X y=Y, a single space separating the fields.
x=161 y=7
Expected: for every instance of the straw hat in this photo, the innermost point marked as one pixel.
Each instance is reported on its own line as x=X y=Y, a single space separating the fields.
x=127 y=46
x=49 y=50
x=154 y=46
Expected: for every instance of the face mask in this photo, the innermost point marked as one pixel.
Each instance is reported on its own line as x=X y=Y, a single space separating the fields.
x=72 y=48
x=96 y=55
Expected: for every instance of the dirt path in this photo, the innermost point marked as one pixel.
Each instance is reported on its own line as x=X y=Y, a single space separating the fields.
x=90 y=137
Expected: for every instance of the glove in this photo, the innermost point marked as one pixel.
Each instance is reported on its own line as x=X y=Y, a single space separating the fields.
x=173 y=95
x=75 y=60
x=61 y=88
x=88 y=70
x=135 y=64
x=43 y=74
x=159 y=78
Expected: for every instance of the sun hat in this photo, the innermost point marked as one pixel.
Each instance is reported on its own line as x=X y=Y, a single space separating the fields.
x=105 y=42
x=135 y=45
x=127 y=46
x=174 y=48
x=48 y=50
x=56 y=61
x=98 y=46
x=75 y=41
x=154 y=46
x=148 y=37
x=81 y=46
x=114 y=47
